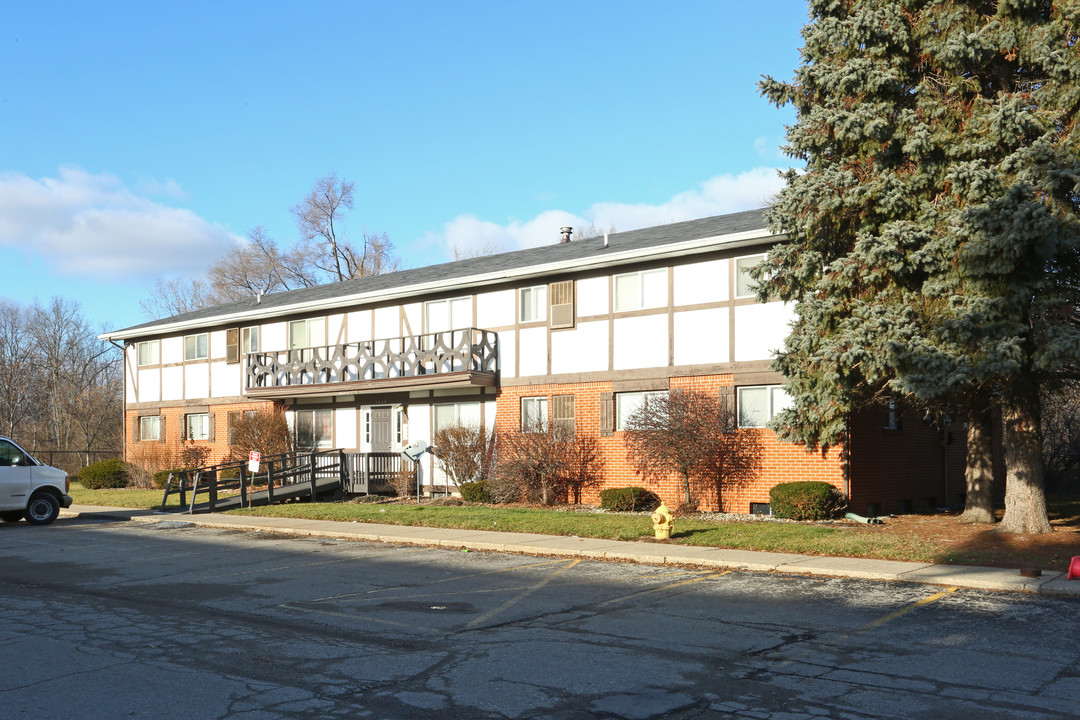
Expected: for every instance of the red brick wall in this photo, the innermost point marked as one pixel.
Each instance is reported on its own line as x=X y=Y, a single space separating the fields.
x=780 y=462
x=903 y=470
x=167 y=450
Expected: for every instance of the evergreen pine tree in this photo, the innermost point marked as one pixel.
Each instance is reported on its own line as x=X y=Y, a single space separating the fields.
x=935 y=232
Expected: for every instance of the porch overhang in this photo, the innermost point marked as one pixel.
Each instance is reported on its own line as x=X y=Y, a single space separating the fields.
x=440 y=381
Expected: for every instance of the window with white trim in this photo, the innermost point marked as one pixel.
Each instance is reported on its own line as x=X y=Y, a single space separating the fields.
x=307 y=333
x=197 y=347
x=760 y=404
x=448 y=314
x=249 y=340
x=314 y=429
x=640 y=290
x=534 y=414
x=198 y=426
x=456 y=414
x=532 y=303
x=149 y=352
x=150 y=428
x=744 y=284
x=628 y=403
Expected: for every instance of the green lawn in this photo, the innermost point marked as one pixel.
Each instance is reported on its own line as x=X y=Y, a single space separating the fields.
x=810 y=539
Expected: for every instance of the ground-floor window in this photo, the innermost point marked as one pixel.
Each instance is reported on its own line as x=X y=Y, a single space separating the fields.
x=456 y=414
x=150 y=428
x=628 y=403
x=534 y=414
x=758 y=405
x=198 y=426
x=234 y=418
x=313 y=429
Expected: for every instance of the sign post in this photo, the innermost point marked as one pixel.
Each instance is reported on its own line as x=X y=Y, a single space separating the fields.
x=253 y=462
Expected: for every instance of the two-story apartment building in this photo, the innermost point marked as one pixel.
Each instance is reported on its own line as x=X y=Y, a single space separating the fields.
x=577 y=331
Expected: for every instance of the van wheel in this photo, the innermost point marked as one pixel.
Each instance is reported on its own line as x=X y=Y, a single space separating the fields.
x=11 y=516
x=42 y=510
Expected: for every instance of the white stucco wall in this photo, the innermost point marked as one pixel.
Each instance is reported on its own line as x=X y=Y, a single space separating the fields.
x=359 y=326
x=583 y=349
x=149 y=386
x=702 y=337
x=196 y=381
x=387 y=322
x=495 y=309
x=172 y=350
x=226 y=380
x=701 y=282
x=760 y=329
x=274 y=337
x=172 y=383
x=532 y=344
x=641 y=342
x=345 y=428
x=592 y=296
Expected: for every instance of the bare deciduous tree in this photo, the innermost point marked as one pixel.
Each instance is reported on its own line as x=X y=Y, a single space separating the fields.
x=323 y=254
x=262 y=431
x=547 y=460
x=460 y=452
x=693 y=435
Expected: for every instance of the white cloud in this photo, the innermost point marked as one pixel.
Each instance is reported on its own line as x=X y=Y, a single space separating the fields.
x=91 y=225
x=716 y=196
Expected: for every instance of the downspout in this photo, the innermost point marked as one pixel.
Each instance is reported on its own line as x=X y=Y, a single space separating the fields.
x=123 y=405
x=847 y=459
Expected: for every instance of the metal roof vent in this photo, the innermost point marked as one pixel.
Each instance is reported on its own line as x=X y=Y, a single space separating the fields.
x=566 y=230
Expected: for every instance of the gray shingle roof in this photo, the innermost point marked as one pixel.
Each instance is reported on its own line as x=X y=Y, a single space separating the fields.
x=651 y=237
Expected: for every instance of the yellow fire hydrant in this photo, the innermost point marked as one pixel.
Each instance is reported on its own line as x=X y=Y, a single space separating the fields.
x=663 y=522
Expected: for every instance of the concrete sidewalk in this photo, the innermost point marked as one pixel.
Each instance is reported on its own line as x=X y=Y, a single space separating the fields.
x=983 y=578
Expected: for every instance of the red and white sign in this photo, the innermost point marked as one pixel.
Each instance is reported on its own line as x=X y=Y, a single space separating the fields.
x=253 y=462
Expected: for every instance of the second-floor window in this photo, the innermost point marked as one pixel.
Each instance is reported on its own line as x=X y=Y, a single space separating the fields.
x=149 y=352
x=197 y=347
x=249 y=340
x=744 y=284
x=533 y=304
x=640 y=290
x=449 y=314
x=305 y=333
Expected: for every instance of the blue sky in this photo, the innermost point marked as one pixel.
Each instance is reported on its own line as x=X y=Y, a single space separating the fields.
x=143 y=140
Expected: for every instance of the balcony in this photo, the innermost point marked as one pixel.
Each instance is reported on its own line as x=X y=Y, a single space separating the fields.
x=466 y=357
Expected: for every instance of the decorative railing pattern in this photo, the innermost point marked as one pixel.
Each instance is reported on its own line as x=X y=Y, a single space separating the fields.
x=470 y=349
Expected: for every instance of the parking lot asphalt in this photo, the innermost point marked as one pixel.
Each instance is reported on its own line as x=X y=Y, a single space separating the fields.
x=960 y=576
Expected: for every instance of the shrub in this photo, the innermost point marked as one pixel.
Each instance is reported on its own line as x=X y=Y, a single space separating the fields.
x=628 y=499
x=104 y=474
x=475 y=492
x=806 y=501
x=162 y=477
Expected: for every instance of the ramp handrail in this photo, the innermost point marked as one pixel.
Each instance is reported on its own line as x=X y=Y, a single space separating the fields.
x=274 y=471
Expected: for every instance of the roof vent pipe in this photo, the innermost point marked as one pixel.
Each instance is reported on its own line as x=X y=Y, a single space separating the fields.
x=258 y=298
x=605 y=239
x=566 y=230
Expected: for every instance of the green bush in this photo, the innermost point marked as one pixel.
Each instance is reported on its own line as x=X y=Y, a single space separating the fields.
x=162 y=477
x=104 y=474
x=628 y=499
x=806 y=501
x=475 y=492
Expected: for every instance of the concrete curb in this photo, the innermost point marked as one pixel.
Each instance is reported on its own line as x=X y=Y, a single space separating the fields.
x=981 y=578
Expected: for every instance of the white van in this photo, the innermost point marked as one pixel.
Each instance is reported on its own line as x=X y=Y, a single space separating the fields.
x=29 y=489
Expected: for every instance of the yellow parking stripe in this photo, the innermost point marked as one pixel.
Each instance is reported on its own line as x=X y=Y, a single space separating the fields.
x=905 y=610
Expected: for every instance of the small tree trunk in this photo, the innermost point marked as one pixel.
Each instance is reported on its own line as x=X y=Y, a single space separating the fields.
x=686 y=488
x=979 y=471
x=1025 y=501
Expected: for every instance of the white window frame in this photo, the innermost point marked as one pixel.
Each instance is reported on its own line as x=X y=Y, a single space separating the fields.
x=249 y=340
x=196 y=347
x=628 y=403
x=150 y=428
x=642 y=300
x=743 y=273
x=456 y=415
x=533 y=408
x=449 y=308
x=776 y=400
x=197 y=421
x=532 y=304
x=318 y=442
x=153 y=349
